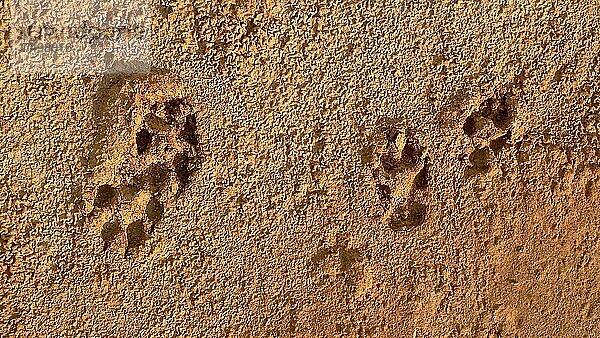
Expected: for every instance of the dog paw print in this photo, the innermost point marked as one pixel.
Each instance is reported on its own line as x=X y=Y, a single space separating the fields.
x=127 y=215
x=157 y=170
x=339 y=263
x=403 y=177
x=495 y=109
x=167 y=140
x=489 y=129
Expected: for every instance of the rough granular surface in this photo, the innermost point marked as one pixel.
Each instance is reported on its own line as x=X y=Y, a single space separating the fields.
x=311 y=169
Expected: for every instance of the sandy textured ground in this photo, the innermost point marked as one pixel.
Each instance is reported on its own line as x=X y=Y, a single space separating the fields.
x=328 y=168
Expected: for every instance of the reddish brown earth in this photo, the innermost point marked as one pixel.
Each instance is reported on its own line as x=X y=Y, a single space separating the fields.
x=346 y=168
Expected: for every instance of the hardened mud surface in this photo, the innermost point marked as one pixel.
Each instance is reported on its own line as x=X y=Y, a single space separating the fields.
x=312 y=169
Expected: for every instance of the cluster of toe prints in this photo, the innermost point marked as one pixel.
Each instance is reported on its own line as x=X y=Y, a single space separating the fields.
x=162 y=159
x=403 y=177
x=402 y=169
x=340 y=262
x=489 y=129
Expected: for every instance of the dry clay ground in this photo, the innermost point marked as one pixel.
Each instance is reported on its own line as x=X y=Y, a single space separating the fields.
x=312 y=168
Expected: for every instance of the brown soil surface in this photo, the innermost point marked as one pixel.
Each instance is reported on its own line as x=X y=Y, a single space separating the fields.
x=312 y=169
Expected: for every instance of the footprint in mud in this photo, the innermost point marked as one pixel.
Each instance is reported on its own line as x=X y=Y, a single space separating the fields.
x=490 y=127
x=160 y=170
x=495 y=109
x=127 y=199
x=339 y=262
x=403 y=175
